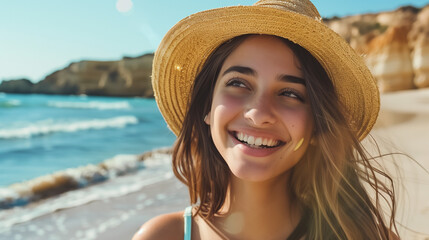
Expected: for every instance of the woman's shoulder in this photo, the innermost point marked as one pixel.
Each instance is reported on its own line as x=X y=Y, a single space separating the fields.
x=166 y=226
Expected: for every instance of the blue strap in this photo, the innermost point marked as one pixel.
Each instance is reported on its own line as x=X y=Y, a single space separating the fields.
x=187 y=215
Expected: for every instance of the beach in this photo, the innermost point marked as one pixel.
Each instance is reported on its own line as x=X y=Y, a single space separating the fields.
x=113 y=209
x=403 y=128
x=114 y=218
x=132 y=199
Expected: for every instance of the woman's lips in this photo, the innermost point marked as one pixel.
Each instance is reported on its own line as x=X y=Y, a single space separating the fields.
x=260 y=146
x=255 y=141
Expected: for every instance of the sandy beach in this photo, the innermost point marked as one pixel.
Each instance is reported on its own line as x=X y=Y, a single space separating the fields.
x=112 y=218
x=403 y=126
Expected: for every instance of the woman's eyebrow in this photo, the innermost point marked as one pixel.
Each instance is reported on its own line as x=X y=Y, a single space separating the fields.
x=250 y=71
x=292 y=79
x=240 y=69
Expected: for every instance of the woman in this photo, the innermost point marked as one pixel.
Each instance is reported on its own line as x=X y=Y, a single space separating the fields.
x=269 y=106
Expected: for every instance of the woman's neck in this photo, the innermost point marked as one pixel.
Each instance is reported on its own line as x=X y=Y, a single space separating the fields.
x=258 y=210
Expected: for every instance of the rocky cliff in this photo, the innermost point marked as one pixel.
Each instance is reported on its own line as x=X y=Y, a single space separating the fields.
x=395 y=45
x=17 y=86
x=126 y=77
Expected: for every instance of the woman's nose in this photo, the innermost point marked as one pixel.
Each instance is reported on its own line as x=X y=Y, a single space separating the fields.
x=260 y=112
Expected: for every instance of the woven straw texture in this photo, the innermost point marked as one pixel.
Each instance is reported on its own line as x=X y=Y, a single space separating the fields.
x=187 y=45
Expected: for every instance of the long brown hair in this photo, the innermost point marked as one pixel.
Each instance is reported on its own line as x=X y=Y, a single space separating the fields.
x=328 y=182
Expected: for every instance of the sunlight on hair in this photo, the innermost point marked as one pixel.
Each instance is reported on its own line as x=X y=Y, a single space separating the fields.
x=124 y=6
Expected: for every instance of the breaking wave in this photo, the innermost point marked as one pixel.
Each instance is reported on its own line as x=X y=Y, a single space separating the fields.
x=10 y=103
x=20 y=194
x=49 y=127
x=91 y=105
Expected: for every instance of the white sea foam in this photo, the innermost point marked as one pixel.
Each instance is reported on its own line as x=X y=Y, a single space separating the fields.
x=10 y=103
x=13 y=103
x=49 y=127
x=91 y=105
x=150 y=173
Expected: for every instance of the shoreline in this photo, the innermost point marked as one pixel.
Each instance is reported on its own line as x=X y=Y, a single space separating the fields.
x=112 y=218
x=22 y=193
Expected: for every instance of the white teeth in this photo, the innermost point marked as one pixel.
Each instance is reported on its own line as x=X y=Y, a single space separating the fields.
x=251 y=140
x=265 y=142
x=240 y=135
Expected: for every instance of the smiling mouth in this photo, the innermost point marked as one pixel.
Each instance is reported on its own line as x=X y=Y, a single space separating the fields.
x=256 y=142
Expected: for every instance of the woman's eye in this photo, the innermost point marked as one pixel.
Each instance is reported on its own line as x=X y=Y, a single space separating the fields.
x=236 y=83
x=292 y=94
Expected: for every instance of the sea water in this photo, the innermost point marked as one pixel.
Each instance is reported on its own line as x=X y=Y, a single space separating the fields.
x=42 y=135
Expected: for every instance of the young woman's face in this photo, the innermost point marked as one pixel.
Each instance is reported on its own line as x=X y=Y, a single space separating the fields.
x=260 y=118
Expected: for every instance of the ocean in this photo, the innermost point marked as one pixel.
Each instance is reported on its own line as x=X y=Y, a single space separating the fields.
x=57 y=136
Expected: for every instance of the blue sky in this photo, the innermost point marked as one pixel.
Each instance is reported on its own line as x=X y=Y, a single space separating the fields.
x=39 y=37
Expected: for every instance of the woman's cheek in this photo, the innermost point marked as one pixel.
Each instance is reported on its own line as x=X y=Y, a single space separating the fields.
x=297 y=117
x=229 y=101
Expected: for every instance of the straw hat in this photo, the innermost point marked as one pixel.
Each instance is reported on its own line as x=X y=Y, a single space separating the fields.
x=187 y=45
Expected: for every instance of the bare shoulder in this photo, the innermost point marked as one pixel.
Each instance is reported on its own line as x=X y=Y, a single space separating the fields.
x=166 y=226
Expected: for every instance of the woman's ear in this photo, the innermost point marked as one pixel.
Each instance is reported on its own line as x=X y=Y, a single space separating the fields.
x=207 y=119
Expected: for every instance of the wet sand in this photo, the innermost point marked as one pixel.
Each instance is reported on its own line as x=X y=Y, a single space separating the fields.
x=114 y=218
x=403 y=126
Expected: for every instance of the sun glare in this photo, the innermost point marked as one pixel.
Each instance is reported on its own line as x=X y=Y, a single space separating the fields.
x=124 y=6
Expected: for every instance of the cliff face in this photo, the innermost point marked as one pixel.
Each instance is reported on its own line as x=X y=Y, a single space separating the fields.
x=127 y=77
x=17 y=86
x=395 y=45
x=419 y=38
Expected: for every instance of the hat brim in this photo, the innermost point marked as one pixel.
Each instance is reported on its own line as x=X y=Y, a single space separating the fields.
x=184 y=49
